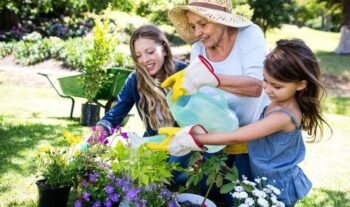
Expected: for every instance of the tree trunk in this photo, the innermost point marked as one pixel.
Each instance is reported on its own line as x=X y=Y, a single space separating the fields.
x=344 y=44
x=8 y=19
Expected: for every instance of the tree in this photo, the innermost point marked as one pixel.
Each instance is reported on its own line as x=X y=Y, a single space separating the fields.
x=344 y=44
x=269 y=13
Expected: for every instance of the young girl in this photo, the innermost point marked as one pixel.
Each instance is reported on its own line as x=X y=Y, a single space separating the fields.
x=276 y=147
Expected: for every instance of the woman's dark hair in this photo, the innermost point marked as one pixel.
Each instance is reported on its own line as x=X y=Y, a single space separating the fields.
x=293 y=61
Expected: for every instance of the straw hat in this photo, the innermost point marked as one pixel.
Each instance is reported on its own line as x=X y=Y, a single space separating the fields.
x=216 y=11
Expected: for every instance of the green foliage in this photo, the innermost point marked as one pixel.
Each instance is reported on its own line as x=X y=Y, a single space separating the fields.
x=269 y=14
x=54 y=168
x=5 y=49
x=99 y=57
x=32 y=49
x=141 y=164
x=244 y=10
x=74 y=51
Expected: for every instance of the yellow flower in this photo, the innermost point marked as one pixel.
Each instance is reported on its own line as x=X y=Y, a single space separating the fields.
x=45 y=148
x=70 y=138
x=64 y=160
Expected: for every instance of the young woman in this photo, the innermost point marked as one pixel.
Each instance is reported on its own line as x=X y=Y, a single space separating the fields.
x=154 y=62
x=275 y=142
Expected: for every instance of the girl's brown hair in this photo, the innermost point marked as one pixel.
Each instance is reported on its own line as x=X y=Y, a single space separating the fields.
x=293 y=61
x=152 y=96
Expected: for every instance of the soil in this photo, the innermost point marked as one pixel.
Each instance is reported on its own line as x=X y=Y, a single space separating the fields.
x=28 y=75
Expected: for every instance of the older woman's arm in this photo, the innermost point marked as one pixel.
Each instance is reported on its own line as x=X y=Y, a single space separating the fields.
x=244 y=86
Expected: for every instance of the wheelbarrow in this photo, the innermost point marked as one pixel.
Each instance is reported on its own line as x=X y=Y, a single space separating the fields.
x=71 y=86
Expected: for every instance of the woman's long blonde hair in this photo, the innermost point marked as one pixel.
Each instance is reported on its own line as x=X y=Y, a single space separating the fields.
x=152 y=96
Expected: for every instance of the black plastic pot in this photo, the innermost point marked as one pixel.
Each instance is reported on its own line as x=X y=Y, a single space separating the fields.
x=52 y=197
x=90 y=114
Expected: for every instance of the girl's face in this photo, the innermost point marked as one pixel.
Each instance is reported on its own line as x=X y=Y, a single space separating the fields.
x=280 y=91
x=149 y=55
x=210 y=34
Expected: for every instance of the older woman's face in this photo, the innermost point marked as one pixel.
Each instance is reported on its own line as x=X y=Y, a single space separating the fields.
x=210 y=34
x=150 y=55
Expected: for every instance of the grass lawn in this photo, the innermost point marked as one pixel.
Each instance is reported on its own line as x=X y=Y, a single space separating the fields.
x=32 y=115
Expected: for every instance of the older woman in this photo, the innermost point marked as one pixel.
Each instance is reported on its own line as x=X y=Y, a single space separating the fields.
x=236 y=49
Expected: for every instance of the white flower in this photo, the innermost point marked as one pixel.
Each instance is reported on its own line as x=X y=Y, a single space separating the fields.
x=243 y=195
x=239 y=189
x=257 y=180
x=262 y=202
x=258 y=193
x=249 y=183
x=243 y=205
x=274 y=189
x=278 y=204
x=249 y=201
x=235 y=195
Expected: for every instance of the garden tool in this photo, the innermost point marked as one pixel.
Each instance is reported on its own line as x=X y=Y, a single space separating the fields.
x=199 y=73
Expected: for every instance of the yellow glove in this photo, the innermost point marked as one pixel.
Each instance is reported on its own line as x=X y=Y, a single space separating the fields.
x=188 y=81
x=164 y=145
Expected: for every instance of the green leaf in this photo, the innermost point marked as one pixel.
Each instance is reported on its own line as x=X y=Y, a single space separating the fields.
x=219 y=181
x=227 y=188
x=247 y=187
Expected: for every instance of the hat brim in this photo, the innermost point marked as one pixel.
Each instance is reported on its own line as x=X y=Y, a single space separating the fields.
x=177 y=16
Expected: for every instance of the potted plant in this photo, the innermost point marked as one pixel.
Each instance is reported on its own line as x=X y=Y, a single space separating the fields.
x=56 y=173
x=94 y=75
x=215 y=170
x=127 y=177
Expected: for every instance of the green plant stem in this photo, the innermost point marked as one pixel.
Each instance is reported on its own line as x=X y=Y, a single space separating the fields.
x=207 y=194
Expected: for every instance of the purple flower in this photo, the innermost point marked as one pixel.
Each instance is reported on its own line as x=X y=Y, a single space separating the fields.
x=114 y=197
x=106 y=142
x=111 y=176
x=89 y=139
x=92 y=177
x=165 y=193
x=84 y=183
x=93 y=128
x=108 y=203
x=86 y=196
x=112 y=131
x=172 y=203
x=77 y=203
x=97 y=204
x=124 y=135
x=100 y=138
x=109 y=189
x=131 y=195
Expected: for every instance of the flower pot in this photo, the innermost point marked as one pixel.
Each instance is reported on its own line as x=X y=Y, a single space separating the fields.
x=90 y=114
x=52 y=197
x=194 y=199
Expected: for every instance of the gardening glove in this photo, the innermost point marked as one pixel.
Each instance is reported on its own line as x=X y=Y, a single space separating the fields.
x=163 y=146
x=184 y=142
x=199 y=73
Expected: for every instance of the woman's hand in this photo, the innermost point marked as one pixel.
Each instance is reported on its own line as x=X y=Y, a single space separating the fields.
x=188 y=81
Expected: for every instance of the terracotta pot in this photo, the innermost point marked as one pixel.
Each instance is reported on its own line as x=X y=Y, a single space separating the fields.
x=52 y=197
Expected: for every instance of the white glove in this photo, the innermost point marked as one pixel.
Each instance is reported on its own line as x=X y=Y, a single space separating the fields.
x=183 y=141
x=188 y=81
